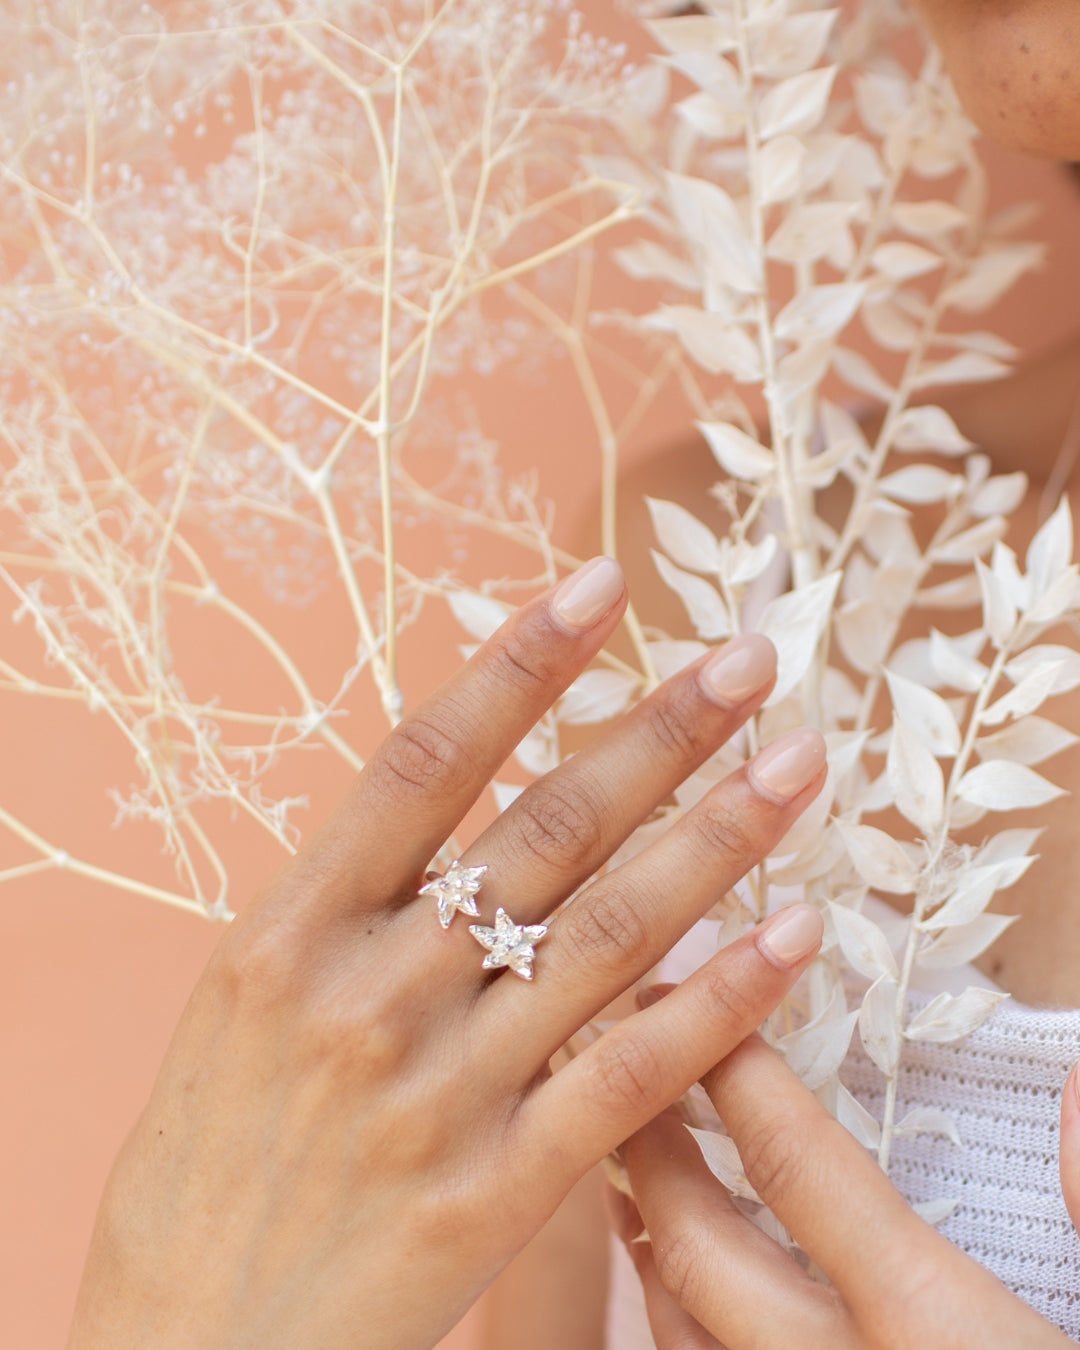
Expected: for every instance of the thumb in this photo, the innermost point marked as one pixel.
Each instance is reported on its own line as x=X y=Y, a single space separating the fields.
x=1069 y=1147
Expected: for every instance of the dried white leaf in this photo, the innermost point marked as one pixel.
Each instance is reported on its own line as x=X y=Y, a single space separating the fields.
x=863 y=943
x=780 y=169
x=1032 y=691
x=856 y=1119
x=737 y=453
x=1000 y=495
x=925 y=713
x=723 y=1161
x=795 y=622
x=989 y=277
x=743 y=562
x=878 y=858
x=1029 y=741
x=854 y=369
x=818 y=311
x=706 y=609
x=685 y=539
x=1000 y=785
x=506 y=794
x=921 y=483
x=795 y=105
x=883 y=100
x=967 y=368
x=929 y=1120
x=999 y=612
x=956 y=947
x=669 y=655
x=479 y=615
x=916 y=780
x=929 y=428
x=809 y=233
x=712 y=222
x=711 y=117
x=785 y=46
x=596 y=696
x=1050 y=551
x=952 y=1016
x=1066 y=658
x=537 y=752
x=954 y=660
x=816 y=1050
x=1008 y=845
x=934 y=1212
x=878 y=1028
x=973 y=891
x=900 y=261
x=715 y=343
x=645 y=260
x=929 y=219
x=967 y=545
x=691 y=33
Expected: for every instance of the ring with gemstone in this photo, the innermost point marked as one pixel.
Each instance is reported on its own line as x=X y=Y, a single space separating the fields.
x=509 y=943
x=455 y=890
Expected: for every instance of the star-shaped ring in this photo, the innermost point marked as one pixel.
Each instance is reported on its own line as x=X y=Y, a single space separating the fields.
x=455 y=890
x=509 y=943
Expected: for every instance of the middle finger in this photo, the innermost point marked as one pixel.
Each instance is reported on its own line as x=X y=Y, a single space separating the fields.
x=567 y=824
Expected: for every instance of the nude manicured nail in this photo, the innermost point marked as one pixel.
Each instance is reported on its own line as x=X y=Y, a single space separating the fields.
x=790 y=763
x=586 y=595
x=791 y=935
x=738 y=669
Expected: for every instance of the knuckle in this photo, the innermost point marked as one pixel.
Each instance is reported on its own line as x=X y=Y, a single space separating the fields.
x=681 y=1260
x=257 y=958
x=724 y=832
x=419 y=756
x=734 y=1003
x=559 y=822
x=628 y=1078
x=673 y=727
x=522 y=658
x=772 y=1159
x=606 y=933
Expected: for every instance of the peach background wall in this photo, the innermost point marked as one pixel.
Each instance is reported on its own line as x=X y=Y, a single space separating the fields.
x=92 y=982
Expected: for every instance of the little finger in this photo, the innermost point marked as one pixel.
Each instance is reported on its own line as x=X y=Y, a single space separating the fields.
x=716 y=1266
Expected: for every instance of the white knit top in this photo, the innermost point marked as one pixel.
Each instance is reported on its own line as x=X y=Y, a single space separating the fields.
x=1002 y=1084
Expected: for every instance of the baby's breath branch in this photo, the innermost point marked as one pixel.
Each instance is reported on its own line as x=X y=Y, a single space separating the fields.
x=571 y=336
x=57 y=858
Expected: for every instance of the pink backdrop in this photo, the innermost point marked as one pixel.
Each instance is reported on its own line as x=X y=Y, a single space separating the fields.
x=92 y=982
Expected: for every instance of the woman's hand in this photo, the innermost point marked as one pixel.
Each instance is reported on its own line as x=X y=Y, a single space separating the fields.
x=355 y=1126
x=711 y=1277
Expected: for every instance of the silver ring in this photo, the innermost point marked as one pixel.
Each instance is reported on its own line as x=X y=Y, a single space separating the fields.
x=509 y=943
x=455 y=890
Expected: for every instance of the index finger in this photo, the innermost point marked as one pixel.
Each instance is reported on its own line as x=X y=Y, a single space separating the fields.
x=434 y=764
x=823 y=1186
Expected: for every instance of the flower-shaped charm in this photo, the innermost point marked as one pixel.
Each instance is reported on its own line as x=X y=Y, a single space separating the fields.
x=455 y=890
x=509 y=943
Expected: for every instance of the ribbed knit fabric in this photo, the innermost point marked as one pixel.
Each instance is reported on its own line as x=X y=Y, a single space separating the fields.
x=1002 y=1084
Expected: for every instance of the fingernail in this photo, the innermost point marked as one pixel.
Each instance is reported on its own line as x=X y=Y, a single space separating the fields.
x=738 y=669
x=1075 y=1075
x=645 y=998
x=791 y=935
x=587 y=594
x=783 y=769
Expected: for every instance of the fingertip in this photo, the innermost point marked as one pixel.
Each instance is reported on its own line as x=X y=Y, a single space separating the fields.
x=791 y=936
